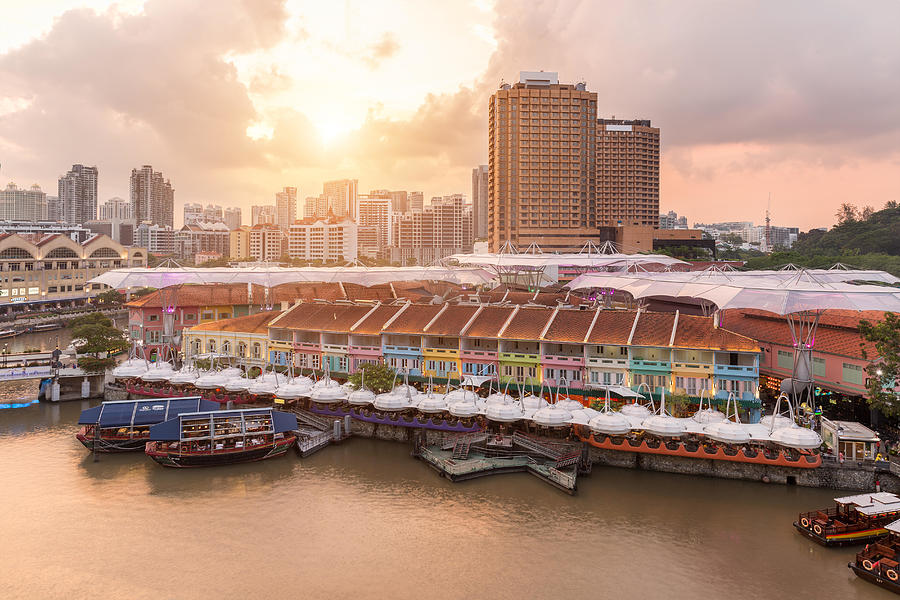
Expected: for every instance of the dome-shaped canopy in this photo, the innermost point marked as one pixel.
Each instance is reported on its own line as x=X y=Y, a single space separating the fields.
x=230 y=372
x=392 y=402
x=158 y=371
x=635 y=410
x=532 y=402
x=727 y=432
x=361 y=397
x=780 y=421
x=237 y=384
x=183 y=376
x=504 y=413
x=133 y=367
x=328 y=394
x=210 y=381
x=294 y=389
x=499 y=398
x=465 y=408
x=709 y=415
x=663 y=425
x=610 y=423
x=796 y=437
x=552 y=416
x=461 y=394
x=432 y=403
x=569 y=404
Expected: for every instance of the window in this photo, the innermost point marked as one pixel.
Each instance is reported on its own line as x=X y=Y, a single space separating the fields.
x=620 y=378
x=153 y=337
x=104 y=253
x=153 y=317
x=62 y=253
x=242 y=349
x=207 y=316
x=818 y=365
x=852 y=373
x=785 y=359
x=257 y=351
x=224 y=315
x=15 y=254
x=550 y=373
x=226 y=347
x=190 y=316
x=211 y=346
x=342 y=364
x=51 y=289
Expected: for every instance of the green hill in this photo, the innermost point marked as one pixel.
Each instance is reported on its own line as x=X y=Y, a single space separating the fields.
x=879 y=233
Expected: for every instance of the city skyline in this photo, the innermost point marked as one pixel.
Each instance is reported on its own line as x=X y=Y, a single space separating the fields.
x=779 y=122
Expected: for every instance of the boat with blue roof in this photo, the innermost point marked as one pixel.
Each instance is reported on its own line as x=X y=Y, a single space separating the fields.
x=124 y=425
x=209 y=438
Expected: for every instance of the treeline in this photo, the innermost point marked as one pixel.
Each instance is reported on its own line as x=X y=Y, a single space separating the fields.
x=820 y=260
x=858 y=232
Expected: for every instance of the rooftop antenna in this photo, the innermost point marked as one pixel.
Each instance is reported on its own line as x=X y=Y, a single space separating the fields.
x=769 y=225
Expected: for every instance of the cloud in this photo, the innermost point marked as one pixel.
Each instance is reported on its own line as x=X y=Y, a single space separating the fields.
x=386 y=47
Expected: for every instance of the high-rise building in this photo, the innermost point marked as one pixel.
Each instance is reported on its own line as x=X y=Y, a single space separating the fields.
x=439 y=230
x=541 y=162
x=480 y=200
x=341 y=195
x=399 y=199
x=263 y=215
x=78 y=194
x=202 y=237
x=23 y=205
x=671 y=220
x=323 y=240
x=239 y=242
x=377 y=211
x=286 y=207
x=315 y=207
x=193 y=213
x=233 y=217
x=152 y=197
x=213 y=214
x=155 y=238
x=54 y=209
x=627 y=172
x=116 y=209
x=266 y=242
x=416 y=200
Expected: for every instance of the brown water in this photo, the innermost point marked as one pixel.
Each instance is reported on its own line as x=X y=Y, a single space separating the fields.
x=363 y=519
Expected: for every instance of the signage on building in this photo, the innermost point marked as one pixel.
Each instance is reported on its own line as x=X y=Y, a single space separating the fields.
x=619 y=128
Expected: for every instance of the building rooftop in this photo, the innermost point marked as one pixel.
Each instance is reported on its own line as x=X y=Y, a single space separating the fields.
x=257 y=323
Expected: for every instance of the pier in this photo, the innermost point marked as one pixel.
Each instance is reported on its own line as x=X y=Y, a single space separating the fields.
x=317 y=432
x=472 y=455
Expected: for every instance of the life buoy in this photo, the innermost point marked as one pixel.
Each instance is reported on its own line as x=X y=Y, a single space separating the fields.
x=818 y=529
x=891 y=574
x=867 y=565
x=804 y=521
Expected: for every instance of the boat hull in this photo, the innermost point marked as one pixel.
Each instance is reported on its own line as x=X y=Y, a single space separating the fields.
x=836 y=540
x=172 y=459
x=875 y=578
x=105 y=444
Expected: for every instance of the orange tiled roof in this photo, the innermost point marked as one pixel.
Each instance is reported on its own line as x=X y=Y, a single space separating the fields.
x=570 y=325
x=257 y=323
x=612 y=327
x=837 y=334
x=452 y=320
x=698 y=332
x=527 y=324
x=654 y=329
x=489 y=321
x=413 y=319
x=374 y=322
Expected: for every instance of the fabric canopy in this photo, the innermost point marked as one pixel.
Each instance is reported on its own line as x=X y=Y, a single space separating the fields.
x=773 y=291
x=271 y=276
x=128 y=413
x=616 y=260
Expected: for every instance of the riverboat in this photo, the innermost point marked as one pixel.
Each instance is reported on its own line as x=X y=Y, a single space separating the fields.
x=879 y=563
x=202 y=439
x=858 y=519
x=124 y=425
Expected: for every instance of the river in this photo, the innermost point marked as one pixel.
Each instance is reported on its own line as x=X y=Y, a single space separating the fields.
x=364 y=520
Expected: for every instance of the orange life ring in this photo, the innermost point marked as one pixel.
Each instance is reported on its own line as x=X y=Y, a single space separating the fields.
x=891 y=574
x=804 y=522
x=818 y=529
x=867 y=565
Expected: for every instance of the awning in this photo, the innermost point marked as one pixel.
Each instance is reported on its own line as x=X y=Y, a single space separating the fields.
x=128 y=413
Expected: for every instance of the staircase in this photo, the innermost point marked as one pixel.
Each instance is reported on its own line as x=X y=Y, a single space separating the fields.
x=537 y=447
x=313 y=420
x=461 y=448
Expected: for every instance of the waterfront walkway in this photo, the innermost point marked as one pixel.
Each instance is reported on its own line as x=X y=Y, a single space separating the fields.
x=317 y=432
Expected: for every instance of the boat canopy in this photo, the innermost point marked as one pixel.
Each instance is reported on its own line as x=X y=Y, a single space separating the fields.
x=862 y=500
x=128 y=413
x=893 y=526
x=275 y=420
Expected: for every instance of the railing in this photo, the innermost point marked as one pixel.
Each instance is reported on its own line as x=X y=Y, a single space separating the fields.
x=656 y=365
x=617 y=362
x=535 y=446
x=739 y=370
x=313 y=420
x=563 y=479
x=305 y=443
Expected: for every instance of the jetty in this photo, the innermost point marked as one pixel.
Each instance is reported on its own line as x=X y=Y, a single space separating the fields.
x=316 y=432
x=472 y=455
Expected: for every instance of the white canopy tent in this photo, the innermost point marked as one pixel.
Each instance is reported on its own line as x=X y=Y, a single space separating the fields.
x=618 y=261
x=162 y=277
x=801 y=295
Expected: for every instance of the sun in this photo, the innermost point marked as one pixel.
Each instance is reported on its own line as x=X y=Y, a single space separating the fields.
x=332 y=127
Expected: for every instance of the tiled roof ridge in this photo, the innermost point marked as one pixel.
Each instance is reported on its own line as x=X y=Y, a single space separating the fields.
x=781 y=319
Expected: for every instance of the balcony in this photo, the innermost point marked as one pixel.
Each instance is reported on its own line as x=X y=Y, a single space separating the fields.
x=609 y=363
x=402 y=349
x=365 y=349
x=692 y=369
x=441 y=351
x=335 y=348
x=314 y=346
x=478 y=354
x=729 y=371
x=562 y=359
x=519 y=356
x=656 y=366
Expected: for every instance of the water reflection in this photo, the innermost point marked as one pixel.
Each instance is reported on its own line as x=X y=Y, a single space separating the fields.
x=363 y=519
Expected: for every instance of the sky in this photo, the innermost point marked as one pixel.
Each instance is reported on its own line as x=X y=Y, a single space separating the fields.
x=234 y=99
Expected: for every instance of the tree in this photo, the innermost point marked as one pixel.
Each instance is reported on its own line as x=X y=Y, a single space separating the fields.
x=884 y=375
x=378 y=377
x=141 y=292
x=96 y=334
x=110 y=296
x=891 y=204
x=847 y=213
x=867 y=213
x=731 y=238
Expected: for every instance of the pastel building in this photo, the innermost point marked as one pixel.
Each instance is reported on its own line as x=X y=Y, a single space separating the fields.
x=578 y=349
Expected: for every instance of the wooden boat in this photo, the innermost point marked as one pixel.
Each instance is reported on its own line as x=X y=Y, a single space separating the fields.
x=124 y=426
x=46 y=327
x=8 y=333
x=202 y=439
x=879 y=563
x=858 y=519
